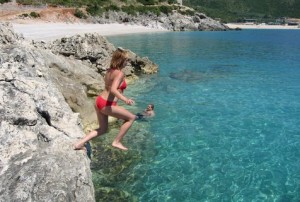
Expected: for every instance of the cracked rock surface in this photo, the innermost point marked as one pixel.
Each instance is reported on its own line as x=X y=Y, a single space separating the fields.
x=47 y=93
x=37 y=129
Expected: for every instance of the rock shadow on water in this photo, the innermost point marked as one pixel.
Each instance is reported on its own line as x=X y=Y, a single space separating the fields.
x=223 y=68
x=188 y=76
x=213 y=72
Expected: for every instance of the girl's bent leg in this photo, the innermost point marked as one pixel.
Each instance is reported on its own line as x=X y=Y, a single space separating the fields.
x=123 y=130
x=79 y=145
x=103 y=123
x=120 y=113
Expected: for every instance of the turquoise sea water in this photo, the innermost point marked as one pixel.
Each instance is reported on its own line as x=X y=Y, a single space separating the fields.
x=228 y=116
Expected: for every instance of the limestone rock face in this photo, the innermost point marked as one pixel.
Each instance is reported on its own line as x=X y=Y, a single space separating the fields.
x=197 y=22
x=7 y=35
x=96 y=52
x=174 y=21
x=47 y=95
x=77 y=81
x=37 y=162
x=78 y=64
x=92 y=48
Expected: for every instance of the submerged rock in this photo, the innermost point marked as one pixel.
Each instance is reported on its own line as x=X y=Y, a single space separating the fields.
x=112 y=194
x=189 y=76
x=112 y=167
x=214 y=72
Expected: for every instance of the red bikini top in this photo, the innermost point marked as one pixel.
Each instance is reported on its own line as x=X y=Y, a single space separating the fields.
x=123 y=85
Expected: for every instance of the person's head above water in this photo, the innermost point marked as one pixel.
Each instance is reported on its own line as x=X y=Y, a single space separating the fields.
x=147 y=113
x=150 y=107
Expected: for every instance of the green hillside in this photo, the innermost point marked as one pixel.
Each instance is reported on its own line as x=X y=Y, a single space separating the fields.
x=226 y=10
x=236 y=10
x=98 y=7
x=95 y=2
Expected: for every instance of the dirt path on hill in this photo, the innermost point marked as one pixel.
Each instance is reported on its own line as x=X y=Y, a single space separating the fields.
x=12 y=12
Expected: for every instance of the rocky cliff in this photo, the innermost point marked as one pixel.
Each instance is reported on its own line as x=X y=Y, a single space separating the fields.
x=44 y=91
x=174 y=21
x=37 y=162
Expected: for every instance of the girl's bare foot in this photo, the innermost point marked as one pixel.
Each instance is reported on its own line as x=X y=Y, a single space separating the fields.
x=79 y=148
x=119 y=146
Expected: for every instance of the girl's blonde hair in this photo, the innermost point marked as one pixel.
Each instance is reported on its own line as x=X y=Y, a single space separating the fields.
x=118 y=58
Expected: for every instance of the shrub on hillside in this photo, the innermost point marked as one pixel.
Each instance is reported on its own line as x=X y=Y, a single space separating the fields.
x=166 y=9
x=130 y=10
x=24 y=15
x=147 y=2
x=95 y=10
x=187 y=12
x=34 y=15
x=79 y=14
x=4 y=1
x=172 y=1
x=112 y=8
x=149 y=9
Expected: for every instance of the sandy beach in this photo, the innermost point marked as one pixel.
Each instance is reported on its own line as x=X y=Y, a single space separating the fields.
x=57 y=22
x=259 y=26
x=52 y=31
x=48 y=31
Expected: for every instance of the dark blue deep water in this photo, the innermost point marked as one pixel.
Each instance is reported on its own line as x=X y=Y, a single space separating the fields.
x=228 y=116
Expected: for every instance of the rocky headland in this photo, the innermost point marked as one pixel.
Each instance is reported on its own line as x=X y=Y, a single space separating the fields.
x=174 y=21
x=47 y=94
x=182 y=19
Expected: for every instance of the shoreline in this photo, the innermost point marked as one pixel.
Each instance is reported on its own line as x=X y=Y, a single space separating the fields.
x=48 y=31
x=51 y=31
x=260 y=26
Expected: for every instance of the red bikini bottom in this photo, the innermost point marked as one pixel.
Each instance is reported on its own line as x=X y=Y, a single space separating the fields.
x=101 y=103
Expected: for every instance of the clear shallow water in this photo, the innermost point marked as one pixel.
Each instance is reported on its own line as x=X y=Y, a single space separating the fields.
x=227 y=125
